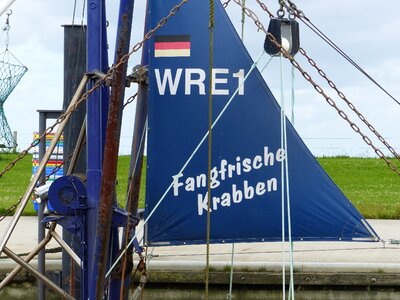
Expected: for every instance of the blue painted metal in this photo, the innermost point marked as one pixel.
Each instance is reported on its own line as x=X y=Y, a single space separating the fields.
x=121 y=217
x=246 y=159
x=67 y=194
x=97 y=109
x=100 y=255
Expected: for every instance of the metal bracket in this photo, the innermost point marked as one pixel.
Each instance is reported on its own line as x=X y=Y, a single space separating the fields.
x=120 y=218
x=102 y=76
x=70 y=223
x=139 y=75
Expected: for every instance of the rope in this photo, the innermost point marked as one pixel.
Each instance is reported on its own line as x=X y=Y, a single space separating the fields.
x=243 y=18
x=293 y=96
x=187 y=162
x=73 y=13
x=229 y=296
x=283 y=188
x=289 y=220
x=209 y=163
x=7 y=29
x=83 y=12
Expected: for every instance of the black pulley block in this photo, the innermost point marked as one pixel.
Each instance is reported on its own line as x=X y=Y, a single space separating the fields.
x=286 y=33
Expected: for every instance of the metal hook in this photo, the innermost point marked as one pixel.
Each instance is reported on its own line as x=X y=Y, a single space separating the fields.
x=280 y=13
x=8 y=13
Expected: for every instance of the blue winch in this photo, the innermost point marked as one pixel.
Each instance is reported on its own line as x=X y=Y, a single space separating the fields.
x=67 y=194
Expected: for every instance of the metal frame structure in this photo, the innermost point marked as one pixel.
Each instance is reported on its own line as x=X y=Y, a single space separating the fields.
x=99 y=216
x=24 y=264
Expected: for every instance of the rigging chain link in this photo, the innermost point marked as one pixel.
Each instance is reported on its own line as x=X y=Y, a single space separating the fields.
x=294 y=9
x=225 y=4
x=318 y=88
x=98 y=83
x=130 y=100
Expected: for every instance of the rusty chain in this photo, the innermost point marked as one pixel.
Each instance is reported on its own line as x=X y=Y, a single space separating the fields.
x=130 y=100
x=97 y=84
x=83 y=98
x=317 y=87
x=293 y=9
x=349 y=104
x=265 y=8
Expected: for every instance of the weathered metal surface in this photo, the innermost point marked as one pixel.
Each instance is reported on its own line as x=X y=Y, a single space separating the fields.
x=109 y=170
x=38 y=275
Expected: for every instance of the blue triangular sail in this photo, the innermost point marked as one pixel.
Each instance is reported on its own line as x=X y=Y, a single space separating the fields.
x=246 y=180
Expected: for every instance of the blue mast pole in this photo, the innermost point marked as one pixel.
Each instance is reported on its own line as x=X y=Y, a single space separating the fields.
x=97 y=110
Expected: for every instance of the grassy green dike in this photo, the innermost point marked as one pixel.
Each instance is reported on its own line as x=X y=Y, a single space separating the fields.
x=367 y=182
x=14 y=182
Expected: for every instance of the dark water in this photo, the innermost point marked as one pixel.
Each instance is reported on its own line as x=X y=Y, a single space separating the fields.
x=27 y=291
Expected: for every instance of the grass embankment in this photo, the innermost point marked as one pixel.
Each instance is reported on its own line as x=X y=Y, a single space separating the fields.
x=367 y=182
x=14 y=183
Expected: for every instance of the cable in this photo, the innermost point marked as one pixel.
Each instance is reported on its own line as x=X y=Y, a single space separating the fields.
x=230 y=296
x=293 y=97
x=289 y=218
x=283 y=188
x=73 y=12
x=334 y=46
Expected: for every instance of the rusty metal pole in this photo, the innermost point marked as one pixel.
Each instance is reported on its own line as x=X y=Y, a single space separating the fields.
x=109 y=170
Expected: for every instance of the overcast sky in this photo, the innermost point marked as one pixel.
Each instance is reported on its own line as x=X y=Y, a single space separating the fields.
x=367 y=30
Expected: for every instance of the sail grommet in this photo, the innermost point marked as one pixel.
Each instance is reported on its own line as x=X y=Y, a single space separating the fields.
x=286 y=32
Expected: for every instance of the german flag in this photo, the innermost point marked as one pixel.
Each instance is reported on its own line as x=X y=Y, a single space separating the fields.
x=172 y=46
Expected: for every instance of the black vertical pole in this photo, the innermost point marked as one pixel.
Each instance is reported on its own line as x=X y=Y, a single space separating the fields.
x=74 y=68
x=41 y=228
